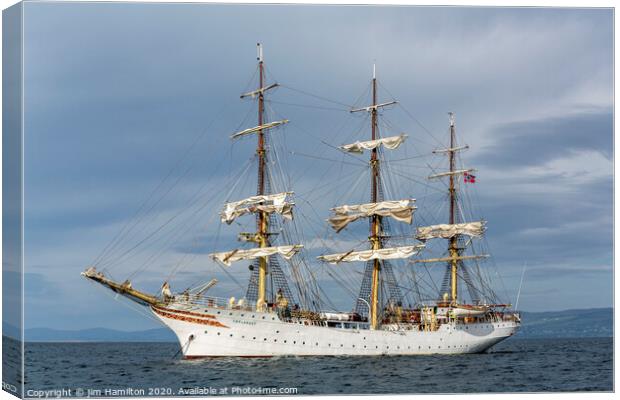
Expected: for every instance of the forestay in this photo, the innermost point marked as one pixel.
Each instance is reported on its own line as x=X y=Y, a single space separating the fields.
x=390 y=253
x=273 y=203
x=447 y=231
x=228 y=257
x=391 y=143
x=400 y=210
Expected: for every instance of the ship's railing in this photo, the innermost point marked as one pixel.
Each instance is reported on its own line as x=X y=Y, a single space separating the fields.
x=305 y=321
x=493 y=317
x=214 y=302
x=294 y=316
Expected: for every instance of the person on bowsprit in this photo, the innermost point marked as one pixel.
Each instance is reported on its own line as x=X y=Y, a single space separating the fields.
x=165 y=291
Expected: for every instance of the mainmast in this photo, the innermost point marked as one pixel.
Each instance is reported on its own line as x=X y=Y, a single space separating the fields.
x=401 y=210
x=375 y=225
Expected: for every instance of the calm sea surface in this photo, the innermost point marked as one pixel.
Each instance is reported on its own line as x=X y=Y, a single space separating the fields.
x=515 y=365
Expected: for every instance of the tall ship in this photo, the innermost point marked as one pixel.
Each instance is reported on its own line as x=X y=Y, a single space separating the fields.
x=283 y=310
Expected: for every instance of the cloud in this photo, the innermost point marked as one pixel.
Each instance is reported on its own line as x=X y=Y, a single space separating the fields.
x=109 y=112
x=540 y=142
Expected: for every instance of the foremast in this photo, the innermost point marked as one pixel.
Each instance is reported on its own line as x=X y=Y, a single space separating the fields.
x=401 y=210
x=262 y=223
x=263 y=204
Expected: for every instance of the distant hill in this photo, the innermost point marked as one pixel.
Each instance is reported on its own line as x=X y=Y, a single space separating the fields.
x=98 y=335
x=595 y=322
x=11 y=331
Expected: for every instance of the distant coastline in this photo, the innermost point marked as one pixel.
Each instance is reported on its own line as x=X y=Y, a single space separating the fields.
x=581 y=323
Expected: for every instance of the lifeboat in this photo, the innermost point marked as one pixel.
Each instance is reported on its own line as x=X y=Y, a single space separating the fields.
x=468 y=310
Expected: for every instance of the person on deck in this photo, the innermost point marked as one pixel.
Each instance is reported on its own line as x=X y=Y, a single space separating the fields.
x=282 y=304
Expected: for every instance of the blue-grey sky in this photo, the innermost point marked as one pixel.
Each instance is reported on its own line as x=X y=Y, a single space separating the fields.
x=115 y=94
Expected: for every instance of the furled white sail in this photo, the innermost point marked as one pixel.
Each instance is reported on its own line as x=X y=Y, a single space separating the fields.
x=256 y=92
x=451 y=149
x=365 y=255
x=258 y=128
x=446 y=231
x=228 y=257
x=268 y=203
x=374 y=107
x=391 y=143
x=400 y=210
x=457 y=172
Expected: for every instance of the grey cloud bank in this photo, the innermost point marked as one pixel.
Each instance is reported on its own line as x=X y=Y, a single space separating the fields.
x=116 y=93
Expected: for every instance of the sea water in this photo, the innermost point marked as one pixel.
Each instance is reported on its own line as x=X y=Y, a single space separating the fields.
x=136 y=369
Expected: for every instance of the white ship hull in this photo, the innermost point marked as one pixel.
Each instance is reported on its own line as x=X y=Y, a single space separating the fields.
x=213 y=332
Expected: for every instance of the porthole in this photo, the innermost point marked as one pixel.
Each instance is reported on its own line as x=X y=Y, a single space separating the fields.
x=218 y=334
x=231 y=335
x=275 y=340
x=252 y=316
x=273 y=318
x=218 y=312
x=277 y=331
x=263 y=317
x=264 y=339
x=254 y=338
x=341 y=345
x=303 y=342
x=294 y=341
x=205 y=331
x=353 y=346
x=230 y=313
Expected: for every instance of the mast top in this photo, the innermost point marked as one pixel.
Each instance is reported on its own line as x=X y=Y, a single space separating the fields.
x=451 y=114
x=259 y=52
x=374 y=71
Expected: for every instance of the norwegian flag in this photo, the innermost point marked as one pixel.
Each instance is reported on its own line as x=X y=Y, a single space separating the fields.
x=469 y=178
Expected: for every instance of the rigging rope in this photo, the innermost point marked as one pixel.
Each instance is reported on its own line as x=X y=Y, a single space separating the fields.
x=121 y=235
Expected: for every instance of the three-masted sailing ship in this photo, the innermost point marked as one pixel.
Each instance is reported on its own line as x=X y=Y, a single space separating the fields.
x=268 y=322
